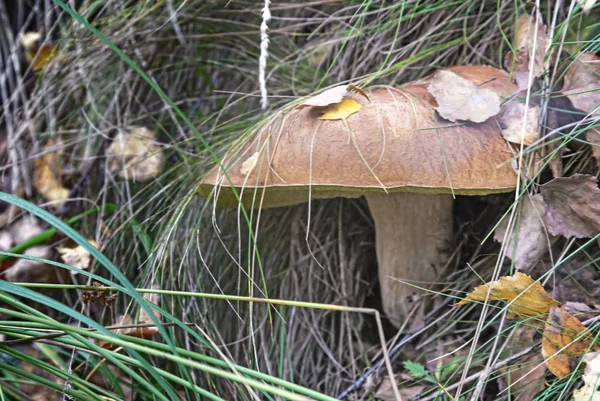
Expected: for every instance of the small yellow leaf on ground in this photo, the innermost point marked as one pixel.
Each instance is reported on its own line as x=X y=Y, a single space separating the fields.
x=591 y=378
x=564 y=340
x=341 y=110
x=46 y=176
x=77 y=257
x=527 y=297
x=134 y=155
x=249 y=164
x=460 y=99
x=514 y=128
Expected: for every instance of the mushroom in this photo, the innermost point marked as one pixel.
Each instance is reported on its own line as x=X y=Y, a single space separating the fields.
x=398 y=153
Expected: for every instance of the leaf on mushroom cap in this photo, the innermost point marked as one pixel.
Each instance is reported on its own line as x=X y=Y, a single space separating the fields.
x=398 y=142
x=531 y=42
x=330 y=96
x=460 y=99
x=582 y=83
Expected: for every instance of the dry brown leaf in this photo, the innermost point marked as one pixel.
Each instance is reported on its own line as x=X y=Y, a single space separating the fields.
x=134 y=155
x=46 y=177
x=385 y=391
x=593 y=137
x=564 y=340
x=591 y=379
x=77 y=257
x=572 y=206
x=525 y=376
x=582 y=83
x=514 y=128
x=528 y=242
x=341 y=110
x=528 y=297
x=528 y=45
x=325 y=98
x=249 y=164
x=30 y=271
x=460 y=99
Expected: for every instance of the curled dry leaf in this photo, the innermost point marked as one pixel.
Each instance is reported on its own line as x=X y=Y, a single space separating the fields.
x=518 y=127
x=460 y=99
x=46 y=177
x=527 y=297
x=528 y=242
x=591 y=379
x=325 y=98
x=582 y=83
x=572 y=206
x=341 y=110
x=134 y=155
x=249 y=164
x=330 y=96
x=531 y=42
x=77 y=257
x=564 y=340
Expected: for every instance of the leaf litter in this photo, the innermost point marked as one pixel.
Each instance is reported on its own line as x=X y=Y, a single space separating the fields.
x=582 y=83
x=135 y=155
x=529 y=241
x=516 y=126
x=531 y=43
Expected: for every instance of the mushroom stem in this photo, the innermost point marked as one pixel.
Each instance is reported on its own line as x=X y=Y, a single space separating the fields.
x=412 y=236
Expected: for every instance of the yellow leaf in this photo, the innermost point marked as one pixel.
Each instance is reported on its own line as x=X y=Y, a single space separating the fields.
x=342 y=110
x=565 y=339
x=46 y=177
x=528 y=297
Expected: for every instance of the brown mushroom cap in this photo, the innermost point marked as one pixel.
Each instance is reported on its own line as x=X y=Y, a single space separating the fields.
x=396 y=141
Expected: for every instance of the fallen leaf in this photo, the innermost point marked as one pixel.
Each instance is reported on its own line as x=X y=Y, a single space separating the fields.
x=31 y=271
x=460 y=99
x=591 y=379
x=77 y=257
x=564 y=340
x=528 y=297
x=528 y=242
x=531 y=42
x=249 y=164
x=46 y=176
x=342 y=110
x=572 y=206
x=514 y=128
x=525 y=376
x=134 y=155
x=38 y=56
x=385 y=391
x=593 y=137
x=582 y=83
x=325 y=98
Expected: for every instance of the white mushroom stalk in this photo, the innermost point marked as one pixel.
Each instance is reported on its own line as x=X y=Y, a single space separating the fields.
x=412 y=235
